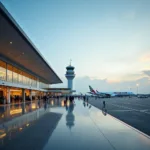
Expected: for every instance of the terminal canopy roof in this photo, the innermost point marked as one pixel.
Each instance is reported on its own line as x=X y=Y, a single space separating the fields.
x=18 y=48
x=58 y=90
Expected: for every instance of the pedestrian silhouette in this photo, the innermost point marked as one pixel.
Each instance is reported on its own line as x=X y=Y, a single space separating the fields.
x=104 y=105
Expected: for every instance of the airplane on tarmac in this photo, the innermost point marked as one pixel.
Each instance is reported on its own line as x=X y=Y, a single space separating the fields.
x=110 y=94
x=99 y=94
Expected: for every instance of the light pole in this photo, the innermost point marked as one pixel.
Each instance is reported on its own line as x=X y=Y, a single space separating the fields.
x=137 y=86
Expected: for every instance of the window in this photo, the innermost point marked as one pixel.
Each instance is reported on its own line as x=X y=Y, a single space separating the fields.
x=43 y=85
x=20 y=77
x=15 y=75
x=9 y=73
x=24 y=78
x=34 y=82
x=2 y=70
x=30 y=80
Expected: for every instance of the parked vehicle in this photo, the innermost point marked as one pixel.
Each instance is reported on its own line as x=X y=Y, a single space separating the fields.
x=142 y=96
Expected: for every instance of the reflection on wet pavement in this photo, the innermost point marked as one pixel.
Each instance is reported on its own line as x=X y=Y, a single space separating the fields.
x=104 y=111
x=9 y=112
x=16 y=118
x=81 y=126
x=70 y=118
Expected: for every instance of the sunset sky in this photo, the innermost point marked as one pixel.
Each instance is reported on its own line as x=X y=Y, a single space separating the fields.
x=107 y=40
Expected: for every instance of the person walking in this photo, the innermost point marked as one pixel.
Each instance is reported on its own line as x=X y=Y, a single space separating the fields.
x=57 y=97
x=70 y=98
x=66 y=98
x=104 y=104
x=87 y=99
x=84 y=98
x=45 y=98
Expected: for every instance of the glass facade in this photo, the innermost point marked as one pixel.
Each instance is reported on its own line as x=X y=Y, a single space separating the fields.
x=9 y=73
x=15 y=75
x=43 y=85
x=2 y=70
x=12 y=74
x=20 y=80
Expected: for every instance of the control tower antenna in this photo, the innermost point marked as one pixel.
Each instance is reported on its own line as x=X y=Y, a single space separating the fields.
x=70 y=62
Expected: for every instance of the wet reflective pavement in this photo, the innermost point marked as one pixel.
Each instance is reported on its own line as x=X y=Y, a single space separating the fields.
x=9 y=112
x=133 y=111
x=71 y=127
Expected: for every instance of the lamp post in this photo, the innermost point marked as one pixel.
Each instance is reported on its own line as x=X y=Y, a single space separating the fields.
x=129 y=91
x=137 y=86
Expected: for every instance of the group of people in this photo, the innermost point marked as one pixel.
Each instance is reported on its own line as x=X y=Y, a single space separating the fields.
x=70 y=98
x=85 y=98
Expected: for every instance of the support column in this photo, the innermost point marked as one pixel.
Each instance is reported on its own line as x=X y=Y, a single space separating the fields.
x=23 y=108
x=30 y=91
x=7 y=112
x=8 y=95
x=23 y=95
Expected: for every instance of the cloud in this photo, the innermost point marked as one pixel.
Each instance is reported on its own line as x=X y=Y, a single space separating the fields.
x=132 y=76
x=81 y=84
x=147 y=72
x=96 y=78
x=113 y=81
x=145 y=58
x=105 y=85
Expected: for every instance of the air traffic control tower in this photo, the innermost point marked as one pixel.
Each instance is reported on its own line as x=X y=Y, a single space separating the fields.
x=70 y=76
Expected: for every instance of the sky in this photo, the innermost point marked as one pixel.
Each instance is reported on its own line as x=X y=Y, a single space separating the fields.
x=107 y=40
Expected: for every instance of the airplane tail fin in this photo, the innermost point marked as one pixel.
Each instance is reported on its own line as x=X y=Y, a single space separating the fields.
x=91 y=89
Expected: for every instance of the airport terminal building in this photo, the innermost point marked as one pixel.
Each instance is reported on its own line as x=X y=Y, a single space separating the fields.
x=23 y=70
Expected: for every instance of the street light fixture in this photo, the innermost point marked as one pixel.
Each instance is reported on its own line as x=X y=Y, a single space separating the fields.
x=137 y=86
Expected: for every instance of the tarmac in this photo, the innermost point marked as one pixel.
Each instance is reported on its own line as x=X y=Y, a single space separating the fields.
x=75 y=126
x=133 y=111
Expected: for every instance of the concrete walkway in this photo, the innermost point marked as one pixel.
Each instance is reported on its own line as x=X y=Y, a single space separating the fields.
x=81 y=126
x=86 y=127
x=33 y=137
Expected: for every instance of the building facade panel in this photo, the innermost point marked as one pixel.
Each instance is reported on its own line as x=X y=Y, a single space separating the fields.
x=11 y=74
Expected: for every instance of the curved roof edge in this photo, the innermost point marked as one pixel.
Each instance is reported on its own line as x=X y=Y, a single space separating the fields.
x=20 y=30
